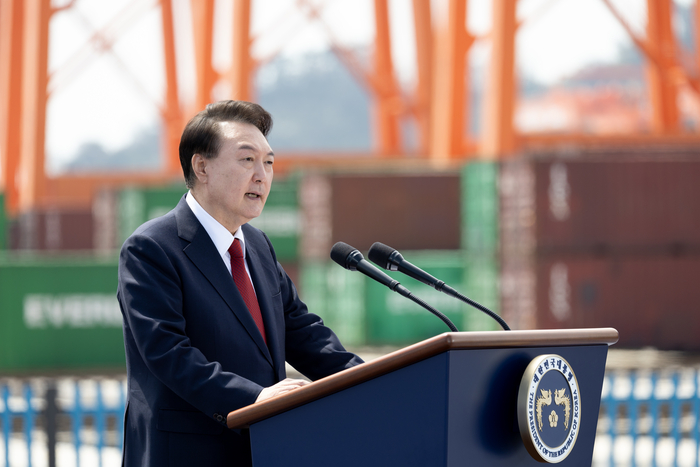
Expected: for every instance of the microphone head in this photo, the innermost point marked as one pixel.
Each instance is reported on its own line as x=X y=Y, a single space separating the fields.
x=342 y=253
x=384 y=256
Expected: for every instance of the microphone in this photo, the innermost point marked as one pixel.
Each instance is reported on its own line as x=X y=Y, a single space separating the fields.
x=350 y=258
x=390 y=259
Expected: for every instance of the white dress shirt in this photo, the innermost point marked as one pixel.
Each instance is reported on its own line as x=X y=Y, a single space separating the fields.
x=219 y=234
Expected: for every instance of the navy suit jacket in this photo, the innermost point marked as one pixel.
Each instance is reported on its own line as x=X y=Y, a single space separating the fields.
x=193 y=351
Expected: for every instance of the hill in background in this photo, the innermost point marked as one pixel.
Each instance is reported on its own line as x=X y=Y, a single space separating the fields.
x=315 y=102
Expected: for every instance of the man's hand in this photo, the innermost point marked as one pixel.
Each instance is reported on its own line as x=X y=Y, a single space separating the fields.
x=283 y=387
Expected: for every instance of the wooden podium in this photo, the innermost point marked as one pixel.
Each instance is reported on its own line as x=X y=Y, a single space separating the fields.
x=451 y=400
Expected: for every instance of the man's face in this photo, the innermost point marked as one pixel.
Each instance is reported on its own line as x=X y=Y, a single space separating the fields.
x=237 y=181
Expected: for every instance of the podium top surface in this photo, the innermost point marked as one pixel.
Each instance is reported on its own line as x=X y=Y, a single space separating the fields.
x=246 y=416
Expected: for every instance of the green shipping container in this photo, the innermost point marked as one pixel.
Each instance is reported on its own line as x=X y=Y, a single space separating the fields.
x=393 y=319
x=59 y=314
x=138 y=205
x=336 y=295
x=480 y=209
x=481 y=284
x=480 y=241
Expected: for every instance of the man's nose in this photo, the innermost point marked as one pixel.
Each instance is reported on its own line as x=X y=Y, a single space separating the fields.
x=259 y=174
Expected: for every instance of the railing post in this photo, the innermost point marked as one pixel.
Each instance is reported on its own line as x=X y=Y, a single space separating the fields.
x=51 y=422
x=676 y=414
x=612 y=415
x=77 y=417
x=28 y=421
x=654 y=410
x=100 y=424
x=695 y=404
x=633 y=412
x=6 y=422
x=121 y=411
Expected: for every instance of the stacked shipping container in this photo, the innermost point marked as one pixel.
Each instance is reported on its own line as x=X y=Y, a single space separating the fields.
x=480 y=242
x=548 y=242
x=53 y=229
x=59 y=313
x=423 y=216
x=604 y=241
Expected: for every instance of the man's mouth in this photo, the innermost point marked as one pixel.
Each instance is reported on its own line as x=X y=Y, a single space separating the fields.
x=252 y=195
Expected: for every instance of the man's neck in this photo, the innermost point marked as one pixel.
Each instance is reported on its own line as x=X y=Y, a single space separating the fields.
x=200 y=195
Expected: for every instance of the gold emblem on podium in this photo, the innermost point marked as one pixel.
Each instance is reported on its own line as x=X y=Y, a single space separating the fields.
x=549 y=408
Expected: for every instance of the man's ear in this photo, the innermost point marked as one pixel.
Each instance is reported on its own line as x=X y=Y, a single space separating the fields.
x=199 y=167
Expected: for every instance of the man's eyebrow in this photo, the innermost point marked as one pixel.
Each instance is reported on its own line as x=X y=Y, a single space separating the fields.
x=252 y=148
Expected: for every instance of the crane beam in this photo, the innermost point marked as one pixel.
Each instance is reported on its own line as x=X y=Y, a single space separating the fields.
x=11 y=40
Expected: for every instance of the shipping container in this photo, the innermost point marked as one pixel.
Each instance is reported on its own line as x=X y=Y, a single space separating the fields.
x=105 y=207
x=394 y=319
x=480 y=209
x=445 y=221
x=517 y=244
x=59 y=314
x=612 y=205
x=651 y=300
x=481 y=283
x=315 y=240
x=137 y=205
x=337 y=296
x=406 y=211
x=480 y=240
x=595 y=241
x=54 y=230
x=363 y=311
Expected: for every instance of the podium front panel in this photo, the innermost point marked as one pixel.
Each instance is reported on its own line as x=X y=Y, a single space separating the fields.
x=393 y=419
x=458 y=408
x=483 y=424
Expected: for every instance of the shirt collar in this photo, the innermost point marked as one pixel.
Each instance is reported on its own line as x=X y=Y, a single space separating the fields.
x=219 y=234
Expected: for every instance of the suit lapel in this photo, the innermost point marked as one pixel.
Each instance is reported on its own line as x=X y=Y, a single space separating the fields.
x=203 y=254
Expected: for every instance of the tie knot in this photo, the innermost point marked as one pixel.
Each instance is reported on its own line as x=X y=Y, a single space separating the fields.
x=235 y=249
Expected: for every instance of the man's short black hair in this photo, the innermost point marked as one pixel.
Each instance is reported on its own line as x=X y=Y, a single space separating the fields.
x=202 y=135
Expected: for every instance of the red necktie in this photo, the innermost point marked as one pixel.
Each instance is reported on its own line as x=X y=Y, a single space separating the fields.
x=245 y=287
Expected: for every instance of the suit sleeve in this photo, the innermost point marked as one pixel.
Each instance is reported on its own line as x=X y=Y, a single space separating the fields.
x=150 y=295
x=311 y=348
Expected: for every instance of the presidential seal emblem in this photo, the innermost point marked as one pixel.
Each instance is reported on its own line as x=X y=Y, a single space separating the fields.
x=549 y=408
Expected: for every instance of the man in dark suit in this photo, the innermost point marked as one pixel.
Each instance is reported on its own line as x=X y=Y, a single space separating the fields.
x=197 y=345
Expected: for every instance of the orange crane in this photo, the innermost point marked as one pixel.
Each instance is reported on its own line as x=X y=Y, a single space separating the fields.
x=438 y=103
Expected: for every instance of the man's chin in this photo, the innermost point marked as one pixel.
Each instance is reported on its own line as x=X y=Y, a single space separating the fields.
x=251 y=218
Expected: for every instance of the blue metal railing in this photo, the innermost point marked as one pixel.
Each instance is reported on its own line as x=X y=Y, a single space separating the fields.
x=639 y=409
x=26 y=407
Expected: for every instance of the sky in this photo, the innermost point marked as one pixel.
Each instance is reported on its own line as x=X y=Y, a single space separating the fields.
x=109 y=98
